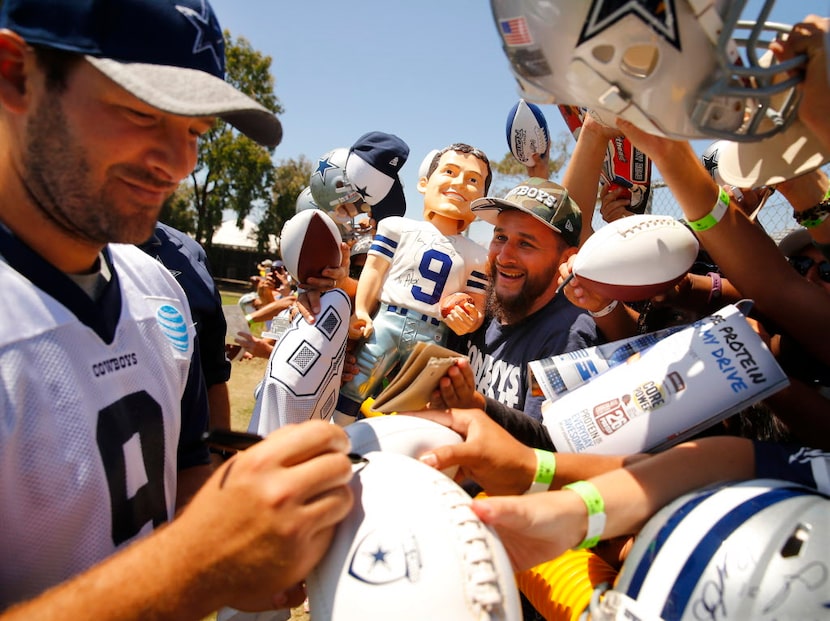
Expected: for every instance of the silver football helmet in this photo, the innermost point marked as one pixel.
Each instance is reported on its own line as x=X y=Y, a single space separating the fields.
x=750 y=550
x=676 y=68
x=329 y=184
x=345 y=224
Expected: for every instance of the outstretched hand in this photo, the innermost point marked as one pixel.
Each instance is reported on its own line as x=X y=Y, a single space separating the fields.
x=489 y=455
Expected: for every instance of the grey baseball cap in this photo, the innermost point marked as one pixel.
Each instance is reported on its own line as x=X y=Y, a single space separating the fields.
x=544 y=200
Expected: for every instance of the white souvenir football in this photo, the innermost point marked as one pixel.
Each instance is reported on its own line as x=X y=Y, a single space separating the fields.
x=637 y=257
x=411 y=549
x=402 y=434
x=527 y=131
x=309 y=242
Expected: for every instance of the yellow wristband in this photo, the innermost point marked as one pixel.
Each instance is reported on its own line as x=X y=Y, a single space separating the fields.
x=545 y=469
x=714 y=216
x=595 y=505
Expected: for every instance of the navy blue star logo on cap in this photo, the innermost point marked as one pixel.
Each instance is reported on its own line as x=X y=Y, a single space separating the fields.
x=659 y=15
x=206 y=29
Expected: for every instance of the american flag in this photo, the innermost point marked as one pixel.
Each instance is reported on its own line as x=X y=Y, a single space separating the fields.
x=514 y=31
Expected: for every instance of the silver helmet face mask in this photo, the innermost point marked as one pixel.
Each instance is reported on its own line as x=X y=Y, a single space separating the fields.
x=345 y=224
x=663 y=66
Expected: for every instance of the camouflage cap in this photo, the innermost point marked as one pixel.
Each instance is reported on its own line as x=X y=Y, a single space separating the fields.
x=542 y=199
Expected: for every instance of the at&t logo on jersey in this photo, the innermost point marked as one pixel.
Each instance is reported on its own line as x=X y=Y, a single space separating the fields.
x=174 y=327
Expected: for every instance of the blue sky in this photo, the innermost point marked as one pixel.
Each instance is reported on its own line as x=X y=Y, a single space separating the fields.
x=431 y=71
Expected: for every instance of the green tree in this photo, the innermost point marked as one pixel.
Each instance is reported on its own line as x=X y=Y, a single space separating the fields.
x=510 y=172
x=233 y=172
x=290 y=178
x=178 y=210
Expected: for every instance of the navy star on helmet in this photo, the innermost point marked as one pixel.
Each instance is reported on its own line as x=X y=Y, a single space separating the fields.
x=657 y=14
x=169 y=54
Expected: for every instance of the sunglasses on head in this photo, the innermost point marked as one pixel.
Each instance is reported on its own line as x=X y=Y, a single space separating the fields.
x=803 y=264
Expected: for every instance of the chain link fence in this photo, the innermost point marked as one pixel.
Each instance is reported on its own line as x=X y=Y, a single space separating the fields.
x=776 y=216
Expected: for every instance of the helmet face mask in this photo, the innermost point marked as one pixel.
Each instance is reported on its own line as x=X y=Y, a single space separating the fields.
x=345 y=224
x=665 y=69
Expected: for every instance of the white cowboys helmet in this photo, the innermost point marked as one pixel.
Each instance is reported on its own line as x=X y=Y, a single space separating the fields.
x=750 y=550
x=679 y=68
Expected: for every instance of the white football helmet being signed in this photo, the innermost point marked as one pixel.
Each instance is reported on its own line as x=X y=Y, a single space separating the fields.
x=679 y=68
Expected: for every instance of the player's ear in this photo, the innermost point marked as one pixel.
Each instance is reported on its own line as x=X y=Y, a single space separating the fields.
x=567 y=253
x=16 y=58
x=422 y=184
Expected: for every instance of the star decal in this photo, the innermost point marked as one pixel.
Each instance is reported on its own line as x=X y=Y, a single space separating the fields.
x=323 y=166
x=710 y=162
x=379 y=556
x=659 y=15
x=364 y=192
x=206 y=31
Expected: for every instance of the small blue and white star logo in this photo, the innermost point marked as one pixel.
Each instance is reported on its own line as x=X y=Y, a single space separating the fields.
x=660 y=15
x=386 y=555
x=324 y=166
x=206 y=33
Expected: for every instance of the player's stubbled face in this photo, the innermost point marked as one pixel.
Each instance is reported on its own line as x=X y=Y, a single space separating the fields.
x=100 y=163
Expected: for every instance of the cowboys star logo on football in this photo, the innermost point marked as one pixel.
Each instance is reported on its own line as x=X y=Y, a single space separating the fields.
x=658 y=14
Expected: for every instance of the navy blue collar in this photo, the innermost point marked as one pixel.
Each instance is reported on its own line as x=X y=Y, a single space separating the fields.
x=99 y=315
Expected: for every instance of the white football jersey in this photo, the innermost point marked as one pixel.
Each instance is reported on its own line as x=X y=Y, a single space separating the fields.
x=303 y=375
x=426 y=265
x=90 y=394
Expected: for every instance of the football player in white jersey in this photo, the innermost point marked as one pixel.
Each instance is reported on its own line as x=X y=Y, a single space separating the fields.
x=100 y=395
x=411 y=266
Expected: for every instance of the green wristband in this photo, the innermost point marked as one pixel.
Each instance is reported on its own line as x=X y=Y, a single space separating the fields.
x=595 y=505
x=545 y=469
x=714 y=216
x=814 y=216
